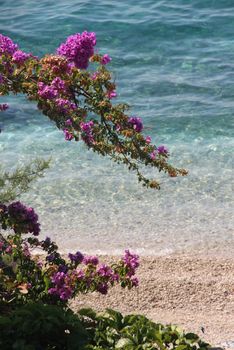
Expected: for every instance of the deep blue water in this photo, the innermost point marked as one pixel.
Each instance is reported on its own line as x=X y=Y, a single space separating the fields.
x=173 y=61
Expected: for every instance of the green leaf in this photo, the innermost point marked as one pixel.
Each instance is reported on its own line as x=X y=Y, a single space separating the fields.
x=192 y=336
x=181 y=347
x=88 y=312
x=123 y=343
x=47 y=282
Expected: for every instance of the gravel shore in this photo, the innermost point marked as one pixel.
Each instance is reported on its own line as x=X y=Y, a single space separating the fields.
x=195 y=292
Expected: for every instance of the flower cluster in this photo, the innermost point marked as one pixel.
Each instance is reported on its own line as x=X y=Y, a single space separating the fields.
x=131 y=262
x=76 y=258
x=19 y=57
x=53 y=91
x=7 y=46
x=90 y=260
x=58 y=84
x=78 y=48
x=61 y=287
x=47 y=92
x=136 y=123
x=87 y=131
x=65 y=106
x=92 y=276
x=20 y=218
x=160 y=150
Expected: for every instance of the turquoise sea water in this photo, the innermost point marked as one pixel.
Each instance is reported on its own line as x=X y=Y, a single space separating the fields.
x=173 y=61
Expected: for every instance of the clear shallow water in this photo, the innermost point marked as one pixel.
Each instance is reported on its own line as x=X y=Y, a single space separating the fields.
x=173 y=61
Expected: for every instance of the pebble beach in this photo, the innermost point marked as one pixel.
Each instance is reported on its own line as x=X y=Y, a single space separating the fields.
x=193 y=291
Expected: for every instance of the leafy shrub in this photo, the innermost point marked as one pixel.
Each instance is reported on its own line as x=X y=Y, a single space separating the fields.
x=42 y=327
x=112 y=330
x=47 y=327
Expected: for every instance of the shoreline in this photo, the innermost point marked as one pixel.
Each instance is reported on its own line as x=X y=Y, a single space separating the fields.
x=221 y=249
x=194 y=291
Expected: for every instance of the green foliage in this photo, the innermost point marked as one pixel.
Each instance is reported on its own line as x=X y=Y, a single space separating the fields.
x=112 y=330
x=13 y=184
x=42 y=327
x=47 y=327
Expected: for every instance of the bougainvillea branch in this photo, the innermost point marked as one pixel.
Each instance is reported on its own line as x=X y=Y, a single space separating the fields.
x=79 y=101
x=48 y=276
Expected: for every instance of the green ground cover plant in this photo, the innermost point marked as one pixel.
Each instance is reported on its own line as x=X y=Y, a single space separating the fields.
x=38 y=326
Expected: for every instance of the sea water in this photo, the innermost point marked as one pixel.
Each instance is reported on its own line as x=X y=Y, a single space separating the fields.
x=173 y=62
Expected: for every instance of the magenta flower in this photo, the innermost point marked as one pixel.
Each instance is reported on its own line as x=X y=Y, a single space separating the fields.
x=65 y=106
x=78 y=48
x=148 y=139
x=47 y=92
x=61 y=287
x=95 y=75
x=105 y=59
x=162 y=150
x=111 y=94
x=65 y=293
x=136 y=123
x=87 y=131
x=3 y=107
x=104 y=271
x=25 y=219
x=20 y=57
x=58 y=278
x=68 y=122
x=93 y=260
x=131 y=261
x=76 y=258
x=68 y=135
x=7 y=46
x=153 y=155
x=9 y=250
x=134 y=281
x=59 y=85
x=80 y=274
x=115 y=277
